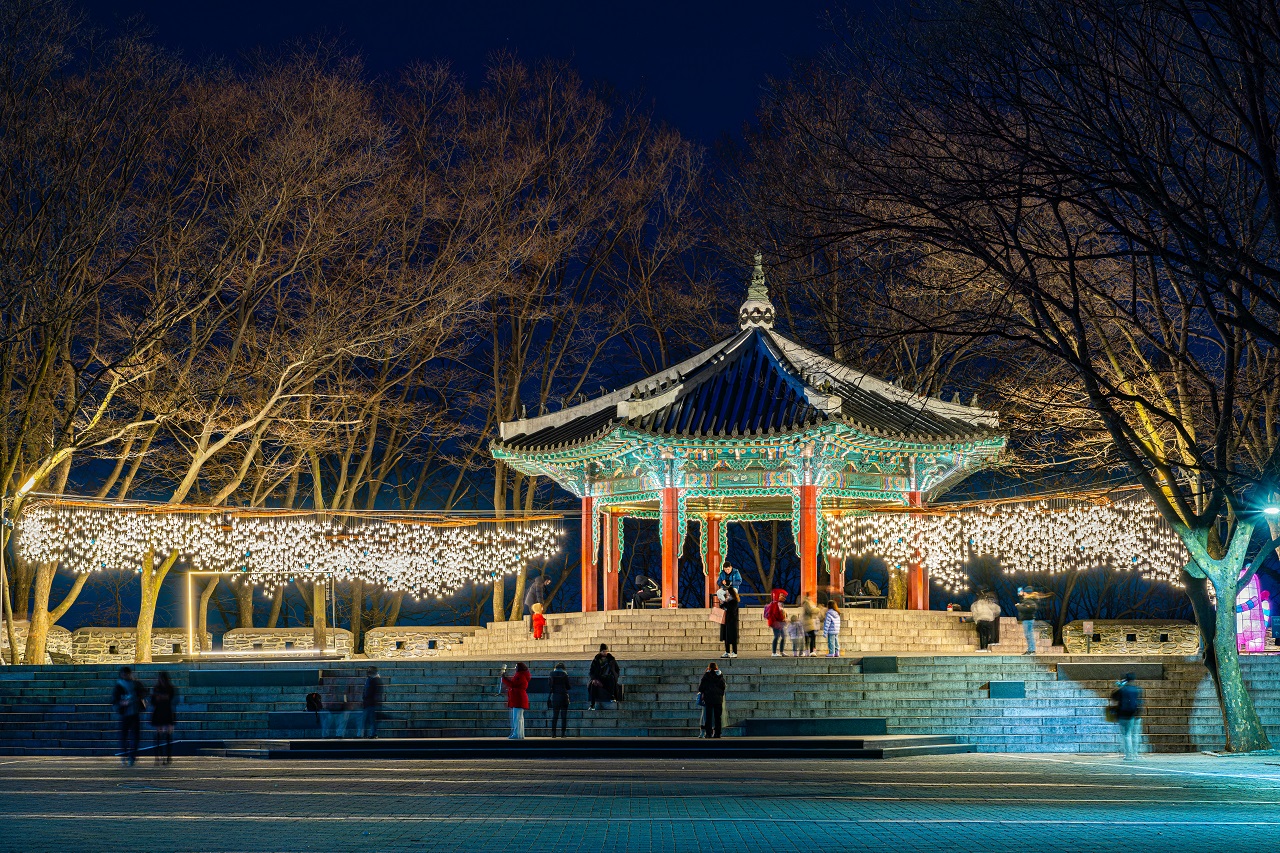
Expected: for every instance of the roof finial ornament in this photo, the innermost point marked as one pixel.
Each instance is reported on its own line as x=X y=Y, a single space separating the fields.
x=757 y=310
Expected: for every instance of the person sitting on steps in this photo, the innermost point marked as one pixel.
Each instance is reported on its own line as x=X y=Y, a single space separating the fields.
x=603 y=675
x=647 y=590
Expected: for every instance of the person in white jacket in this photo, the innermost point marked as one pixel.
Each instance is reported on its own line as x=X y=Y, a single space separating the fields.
x=985 y=612
x=831 y=627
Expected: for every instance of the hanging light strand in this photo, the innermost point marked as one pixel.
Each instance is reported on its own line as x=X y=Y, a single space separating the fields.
x=425 y=559
x=1043 y=536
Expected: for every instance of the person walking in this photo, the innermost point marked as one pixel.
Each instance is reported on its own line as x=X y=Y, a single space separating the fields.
x=537 y=594
x=730 y=575
x=1027 y=607
x=831 y=627
x=711 y=691
x=729 y=627
x=558 y=700
x=795 y=633
x=370 y=703
x=129 y=698
x=517 y=687
x=985 y=612
x=164 y=698
x=811 y=617
x=603 y=675
x=776 y=617
x=1126 y=707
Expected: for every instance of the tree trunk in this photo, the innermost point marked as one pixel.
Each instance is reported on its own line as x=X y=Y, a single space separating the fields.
x=357 y=615
x=41 y=619
x=1061 y=619
x=499 y=510
x=244 y=603
x=394 y=615
x=897 y=593
x=277 y=602
x=1243 y=727
x=151 y=579
x=318 y=620
x=202 y=621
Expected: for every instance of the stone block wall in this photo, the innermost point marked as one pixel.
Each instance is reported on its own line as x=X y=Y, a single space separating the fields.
x=1124 y=636
x=119 y=645
x=415 y=641
x=285 y=640
x=57 y=647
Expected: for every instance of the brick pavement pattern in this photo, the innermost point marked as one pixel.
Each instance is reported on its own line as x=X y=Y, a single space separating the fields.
x=969 y=802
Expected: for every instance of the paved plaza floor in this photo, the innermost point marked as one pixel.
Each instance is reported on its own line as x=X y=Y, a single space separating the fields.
x=987 y=803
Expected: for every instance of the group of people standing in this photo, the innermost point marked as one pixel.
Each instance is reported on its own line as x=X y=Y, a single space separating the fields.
x=131 y=698
x=800 y=628
x=604 y=686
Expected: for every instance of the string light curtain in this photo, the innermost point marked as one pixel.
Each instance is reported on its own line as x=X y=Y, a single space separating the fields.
x=432 y=557
x=1044 y=536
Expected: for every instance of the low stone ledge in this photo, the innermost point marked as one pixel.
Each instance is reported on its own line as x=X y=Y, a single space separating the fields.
x=415 y=641
x=1126 y=637
x=250 y=640
x=57 y=647
x=120 y=645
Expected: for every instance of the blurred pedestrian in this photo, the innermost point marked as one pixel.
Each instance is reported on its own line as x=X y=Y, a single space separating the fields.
x=370 y=703
x=558 y=700
x=831 y=627
x=1027 y=606
x=711 y=690
x=776 y=617
x=729 y=603
x=795 y=633
x=1126 y=707
x=811 y=617
x=164 y=698
x=129 y=698
x=986 y=613
x=517 y=687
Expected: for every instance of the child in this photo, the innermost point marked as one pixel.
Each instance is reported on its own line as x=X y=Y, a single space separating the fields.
x=795 y=633
x=831 y=627
x=539 y=622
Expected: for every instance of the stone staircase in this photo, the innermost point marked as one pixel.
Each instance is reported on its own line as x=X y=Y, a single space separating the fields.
x=63 y=709
x=689 y=632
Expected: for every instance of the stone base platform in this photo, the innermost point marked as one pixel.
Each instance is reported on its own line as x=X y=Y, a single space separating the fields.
x=691 y=633
x=574 y=748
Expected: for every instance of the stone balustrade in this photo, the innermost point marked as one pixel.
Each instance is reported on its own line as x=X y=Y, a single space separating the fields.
x=1126 y=636
x=415 y=641
x=250 y=640
x=57 y=647
x=120 y=645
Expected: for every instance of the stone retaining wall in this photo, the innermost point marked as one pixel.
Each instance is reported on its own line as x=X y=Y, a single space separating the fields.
x=285 y=640
x=120 y=645
x=415 y=641
x=57 y=647
x=1128 y=636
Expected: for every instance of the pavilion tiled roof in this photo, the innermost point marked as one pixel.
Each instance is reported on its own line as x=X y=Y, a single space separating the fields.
x=758 y=382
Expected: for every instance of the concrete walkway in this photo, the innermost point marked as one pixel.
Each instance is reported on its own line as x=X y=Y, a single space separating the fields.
x=987 y=802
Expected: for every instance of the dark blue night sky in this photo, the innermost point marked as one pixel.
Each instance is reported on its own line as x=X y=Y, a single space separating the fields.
x=702 y=65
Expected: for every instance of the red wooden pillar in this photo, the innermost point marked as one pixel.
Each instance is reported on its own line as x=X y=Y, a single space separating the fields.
x=835 y=570
x=712 y=568
x=670 y=523
x=917 y=580
x=612 y=561
x=808 y=540
x=590 y=589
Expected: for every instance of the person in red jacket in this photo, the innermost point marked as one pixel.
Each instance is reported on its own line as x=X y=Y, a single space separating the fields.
x=539 y=622
x=517 y=687
x=776 y=616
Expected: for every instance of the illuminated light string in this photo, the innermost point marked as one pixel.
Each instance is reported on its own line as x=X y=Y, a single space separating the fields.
x=1033 y=537
x=419 y=558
